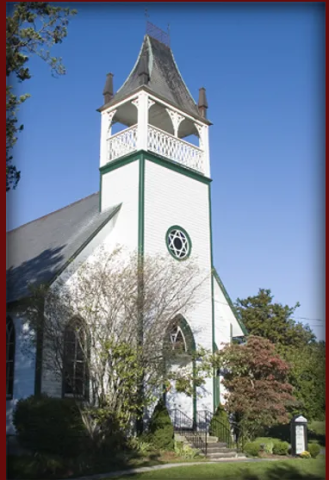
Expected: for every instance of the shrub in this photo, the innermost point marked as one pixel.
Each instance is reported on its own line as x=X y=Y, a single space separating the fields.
x=305 y=455
x=281 y=448
x=220 y=425
x=139 y=445
x=314 y=449
x=185 y=451
x=252 y=449
x=104 y=431
x=161 y=430
x=38 y=466
x=49 y=425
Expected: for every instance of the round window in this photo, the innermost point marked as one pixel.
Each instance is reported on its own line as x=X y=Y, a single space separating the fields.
x=178 y=243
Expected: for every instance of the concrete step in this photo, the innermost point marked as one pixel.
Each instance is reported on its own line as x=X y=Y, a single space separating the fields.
x=216 y=448
x=210 y=439
x=216 y=455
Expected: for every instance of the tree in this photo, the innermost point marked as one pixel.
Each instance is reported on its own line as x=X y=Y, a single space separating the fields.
x=296 y=343
x=308 y=377
x=273 y=321
x=160 y=429
x=115 y=298
x=256 y=381
x=33 y=28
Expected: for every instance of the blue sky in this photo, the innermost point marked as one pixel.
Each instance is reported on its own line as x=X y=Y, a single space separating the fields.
x=263 y=68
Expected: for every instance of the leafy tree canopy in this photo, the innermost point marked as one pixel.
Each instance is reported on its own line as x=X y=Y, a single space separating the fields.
x=262 y=317
x=32 y=28
x=256 y=380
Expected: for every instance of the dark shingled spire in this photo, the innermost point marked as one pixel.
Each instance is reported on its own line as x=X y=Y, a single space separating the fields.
x=108 y=89
x=202 y=103
x=157 y=71
x=143 y=71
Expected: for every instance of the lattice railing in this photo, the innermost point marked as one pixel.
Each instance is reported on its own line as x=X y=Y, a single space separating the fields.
x=122 y=143
x=159 y=142
x=175 y=149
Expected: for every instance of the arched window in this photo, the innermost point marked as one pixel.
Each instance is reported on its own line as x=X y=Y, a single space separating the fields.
x=179 y=338
x=10 y=357
x=76 y=353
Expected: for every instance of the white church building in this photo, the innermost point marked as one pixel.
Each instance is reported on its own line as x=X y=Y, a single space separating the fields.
x=154 y=197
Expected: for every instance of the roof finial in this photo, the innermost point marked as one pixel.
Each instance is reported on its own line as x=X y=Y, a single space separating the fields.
x=202 y=103
x=108 y=89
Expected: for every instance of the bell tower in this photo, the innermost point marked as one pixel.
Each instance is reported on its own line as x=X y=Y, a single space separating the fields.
x=158 y=168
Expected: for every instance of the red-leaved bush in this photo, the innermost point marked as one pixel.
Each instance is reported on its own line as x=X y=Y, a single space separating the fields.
x=255 y=377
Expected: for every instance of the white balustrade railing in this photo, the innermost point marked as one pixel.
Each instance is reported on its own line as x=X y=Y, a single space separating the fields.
x=174 y=148
x=159 y=142
x=122 y=143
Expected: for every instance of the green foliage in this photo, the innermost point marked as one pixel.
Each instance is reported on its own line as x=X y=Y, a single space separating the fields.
x=268 y=448
x=33 y=28
x=281 y=448
x=273 y=321
x=139 y=445
x=307 y=375
x=317 y=427
x=161 y=430
x=220 y=425
x=252 y=449
x=296 y=344
x=256 y=379
x=314 y=449
x=38 y=466
x=185 y=451
x=305 y=455
x=105 y=430
x=49 y=425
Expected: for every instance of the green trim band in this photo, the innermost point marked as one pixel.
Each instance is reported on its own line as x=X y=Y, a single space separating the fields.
x=212 y=299
x=141 y=206
x=164 y=162
x=176 y=167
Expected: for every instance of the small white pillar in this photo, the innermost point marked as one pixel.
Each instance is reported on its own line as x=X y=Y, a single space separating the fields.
x=142 y=104
x=106 y=131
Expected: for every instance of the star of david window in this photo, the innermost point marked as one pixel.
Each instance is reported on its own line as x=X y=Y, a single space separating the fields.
x=178 y=243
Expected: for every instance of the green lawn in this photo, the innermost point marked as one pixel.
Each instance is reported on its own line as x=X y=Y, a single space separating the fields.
x=275 y=470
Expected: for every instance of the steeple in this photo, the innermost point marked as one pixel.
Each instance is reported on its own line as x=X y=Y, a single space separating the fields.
x=158 y=109
x=157 y=71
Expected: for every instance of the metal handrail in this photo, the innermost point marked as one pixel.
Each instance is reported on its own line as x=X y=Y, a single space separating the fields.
x=199 y=436
x=232 y=436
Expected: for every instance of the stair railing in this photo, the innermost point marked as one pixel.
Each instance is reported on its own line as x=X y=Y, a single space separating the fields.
x=185 y=426
x=232 y=436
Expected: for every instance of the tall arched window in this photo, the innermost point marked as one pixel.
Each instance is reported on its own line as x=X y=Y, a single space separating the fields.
x=179 y=337
x=76 y=352
x=10 y=357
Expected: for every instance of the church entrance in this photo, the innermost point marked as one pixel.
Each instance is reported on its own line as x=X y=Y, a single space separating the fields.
x=181 y=345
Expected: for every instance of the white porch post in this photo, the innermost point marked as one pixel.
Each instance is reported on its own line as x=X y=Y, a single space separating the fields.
x=203 y=131
x=106 y=130
x=142 y=105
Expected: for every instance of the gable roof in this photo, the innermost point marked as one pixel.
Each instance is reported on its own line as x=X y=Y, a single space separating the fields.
x=157 y=70
x=41 y=249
